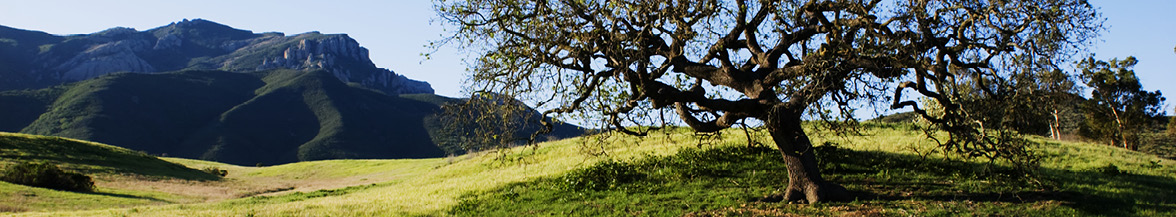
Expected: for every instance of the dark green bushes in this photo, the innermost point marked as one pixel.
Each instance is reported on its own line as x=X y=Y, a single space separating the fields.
x=602 y=176
x=46 y=176
x=215 y=171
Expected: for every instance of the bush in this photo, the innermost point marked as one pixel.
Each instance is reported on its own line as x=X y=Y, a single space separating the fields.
x=46 y=176
x=216 y=171
x=1110 y=170
x=602 y=176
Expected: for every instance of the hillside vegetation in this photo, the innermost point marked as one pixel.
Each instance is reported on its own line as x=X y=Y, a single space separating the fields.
x=678 y=174
x=269 y=117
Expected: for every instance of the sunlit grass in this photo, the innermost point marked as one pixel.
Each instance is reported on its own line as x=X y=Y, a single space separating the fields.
x=408 y=187
x=888 y=166
x=894 y=170
x=21 y=198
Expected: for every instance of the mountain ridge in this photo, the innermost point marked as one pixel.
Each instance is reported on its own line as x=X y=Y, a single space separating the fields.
x=34 y=59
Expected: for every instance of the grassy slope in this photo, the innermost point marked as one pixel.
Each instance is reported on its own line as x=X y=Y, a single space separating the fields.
x=103 y=162
x=127 y=178
x=715 y=180
x=406 y=187
x=890 y=178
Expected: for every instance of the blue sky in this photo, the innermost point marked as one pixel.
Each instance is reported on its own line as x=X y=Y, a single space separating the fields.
x=396 y=32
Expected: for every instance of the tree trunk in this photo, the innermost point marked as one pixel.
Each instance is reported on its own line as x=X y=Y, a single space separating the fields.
x=804 y=177
x=1122 y=130
x=1055 y=131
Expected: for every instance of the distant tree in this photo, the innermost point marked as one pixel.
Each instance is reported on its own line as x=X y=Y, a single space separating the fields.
x=485 y=121
x=1119 y=107
x=713 y=63
x=1034 y=99
x=1060 y=94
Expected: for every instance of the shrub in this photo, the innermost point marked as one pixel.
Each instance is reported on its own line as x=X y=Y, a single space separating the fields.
x=46 y=176
x=602 y=176
x=1109 y=169
x=216 y=171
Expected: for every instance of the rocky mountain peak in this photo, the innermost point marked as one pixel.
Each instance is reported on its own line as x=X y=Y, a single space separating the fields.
x=199 y=44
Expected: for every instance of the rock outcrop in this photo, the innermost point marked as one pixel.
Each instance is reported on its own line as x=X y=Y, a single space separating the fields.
x=344 y=58
x=195 y=44
x=100 y=59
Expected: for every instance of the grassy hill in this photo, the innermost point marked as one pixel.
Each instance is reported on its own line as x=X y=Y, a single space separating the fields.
x=676 y=174
x=107 y=164
x=128 y=178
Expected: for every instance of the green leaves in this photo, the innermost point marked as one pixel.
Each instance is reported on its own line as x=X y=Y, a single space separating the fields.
x=1119 y=106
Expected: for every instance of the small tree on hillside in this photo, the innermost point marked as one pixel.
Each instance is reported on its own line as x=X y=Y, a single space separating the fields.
x=713 y=63
x=1119 y=107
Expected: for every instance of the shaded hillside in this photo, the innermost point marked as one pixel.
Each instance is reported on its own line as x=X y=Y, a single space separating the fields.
x=448 y=133
x=268 y=117
x=19 y=108
x=243 y=118
x=116 y=171
x=89 y=157
x=140 y=111
x=326 y=118
x=31 y=59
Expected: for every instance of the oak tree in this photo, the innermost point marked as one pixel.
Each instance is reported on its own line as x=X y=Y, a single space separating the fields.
x=713 y=63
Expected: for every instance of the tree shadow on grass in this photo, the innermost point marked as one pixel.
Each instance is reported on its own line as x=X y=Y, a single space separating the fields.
x=892 y=177
x=726 y=178
x=128 y=196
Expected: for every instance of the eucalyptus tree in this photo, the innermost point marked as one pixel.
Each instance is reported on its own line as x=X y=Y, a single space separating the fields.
x=1119 y=106
x=712 y=63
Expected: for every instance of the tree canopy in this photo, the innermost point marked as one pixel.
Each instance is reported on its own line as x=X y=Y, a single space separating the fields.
x=1119 y=107
x=712 y=63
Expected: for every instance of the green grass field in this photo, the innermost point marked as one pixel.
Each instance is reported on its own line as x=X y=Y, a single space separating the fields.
x=672 y=173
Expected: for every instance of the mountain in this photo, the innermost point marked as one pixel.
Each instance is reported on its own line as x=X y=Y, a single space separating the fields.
x=32 y=59
x=268 y=117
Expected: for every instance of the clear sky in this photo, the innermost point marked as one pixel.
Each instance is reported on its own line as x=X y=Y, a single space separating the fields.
x=396 y=31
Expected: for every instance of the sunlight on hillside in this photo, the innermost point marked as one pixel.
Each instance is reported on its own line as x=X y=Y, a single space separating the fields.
x=433 y=186
x=405 y=186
